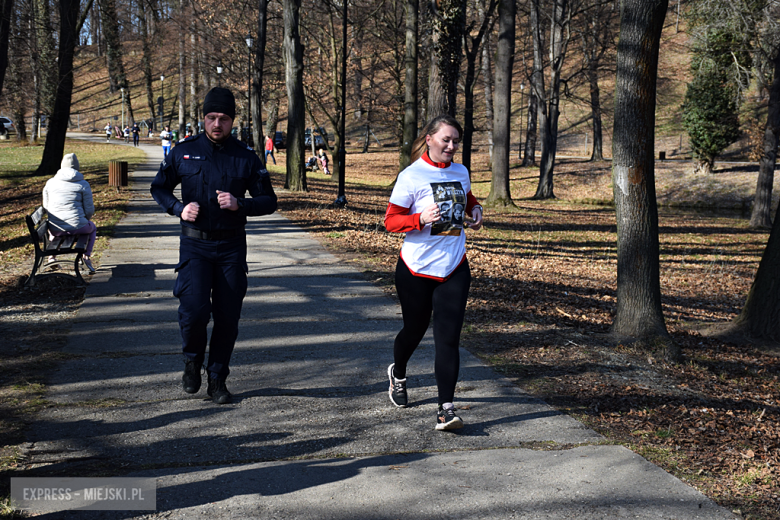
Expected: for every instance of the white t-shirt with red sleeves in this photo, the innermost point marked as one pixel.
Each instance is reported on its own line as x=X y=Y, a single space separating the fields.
x=437 y=249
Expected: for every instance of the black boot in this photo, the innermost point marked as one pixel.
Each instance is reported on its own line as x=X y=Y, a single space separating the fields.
x=218 y=391
x=191 y=380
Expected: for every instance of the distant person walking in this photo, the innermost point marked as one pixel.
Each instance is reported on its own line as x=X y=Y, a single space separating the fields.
x=109 y=130
x=136 y=134
x=269 y=149
x=215 y=172
x=432 y=275
x=67 y=198
x=166 y=136
x=126 y=133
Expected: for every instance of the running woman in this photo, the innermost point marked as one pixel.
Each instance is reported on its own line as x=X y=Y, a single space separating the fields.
x=429 y=203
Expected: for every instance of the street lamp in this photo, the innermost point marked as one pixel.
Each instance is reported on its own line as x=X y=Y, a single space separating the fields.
x=219 y=73
x=162 y=101
x=123 y=107
x=520 y=146
x=249 y=43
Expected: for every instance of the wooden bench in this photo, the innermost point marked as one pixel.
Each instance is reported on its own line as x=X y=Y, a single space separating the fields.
x=45 y=246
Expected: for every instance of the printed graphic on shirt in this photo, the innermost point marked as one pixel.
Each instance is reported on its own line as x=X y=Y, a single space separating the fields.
x=451 y=199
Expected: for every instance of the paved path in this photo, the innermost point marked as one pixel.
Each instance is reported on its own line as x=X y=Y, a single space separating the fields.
x=311 y=434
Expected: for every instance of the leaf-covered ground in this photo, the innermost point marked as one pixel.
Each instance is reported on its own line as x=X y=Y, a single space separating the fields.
x=543 y=299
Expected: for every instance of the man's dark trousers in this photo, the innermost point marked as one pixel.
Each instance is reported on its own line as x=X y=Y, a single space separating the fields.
x=211 y=281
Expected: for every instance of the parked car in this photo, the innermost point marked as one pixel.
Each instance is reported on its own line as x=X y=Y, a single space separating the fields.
x=280 y=140
x=6 y=125
x=320 y=139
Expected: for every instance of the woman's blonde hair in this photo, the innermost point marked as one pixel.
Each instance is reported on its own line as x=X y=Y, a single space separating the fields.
x=434 y=125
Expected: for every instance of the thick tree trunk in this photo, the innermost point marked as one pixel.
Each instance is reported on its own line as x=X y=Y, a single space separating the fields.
x=639 y=315
x=762 y=205
x=760 y=318
x=499 y=186
x=6 y=8
x=296 y=108
x=410 y=83
x=58 y=122
x=272 y=117
x=549 y=123
x=257 y=77
x=437 y=101
x=45 y=57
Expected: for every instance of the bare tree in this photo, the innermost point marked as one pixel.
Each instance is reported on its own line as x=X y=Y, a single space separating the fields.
x=296 y=109
x=71 y=21
x=6 y=8
x=549 y=101
x=639 y=316
x=487 y=85
x=410 y=83
x=505 y=50
x=257 y=75
x=760 y=317
x=472 y=46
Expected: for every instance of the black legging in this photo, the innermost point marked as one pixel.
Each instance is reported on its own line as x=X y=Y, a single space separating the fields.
x=447 y=301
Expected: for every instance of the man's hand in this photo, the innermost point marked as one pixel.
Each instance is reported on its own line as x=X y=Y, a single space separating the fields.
x=227 y=200
x=190 y=212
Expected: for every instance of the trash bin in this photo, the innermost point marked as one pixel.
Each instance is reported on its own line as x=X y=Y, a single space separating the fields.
x=117 y=173
x=175 y=136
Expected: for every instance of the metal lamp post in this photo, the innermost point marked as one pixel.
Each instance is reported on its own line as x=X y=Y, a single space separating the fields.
x=249 y=43
x=162 y=101
x=123 y=108
x=219 y=74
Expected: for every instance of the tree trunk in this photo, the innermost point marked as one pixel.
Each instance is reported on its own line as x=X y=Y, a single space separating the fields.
x=272 y=117
x=529 y=151
x=182 y=76
x=6 y=8
x=450 y=26
x=595 y=104
x=762 y=205
x=257 y=77
x=639 y=315
x=487 y=82
x=471 y=78
x=296 y=108
x=505 y=51
x=45 y=57
x=70 y=26
x=437 y=102
x=760 y=317
x=356 y=59
x=549 y=123
x=194 y=98
x=146 y=60
x=410 y=83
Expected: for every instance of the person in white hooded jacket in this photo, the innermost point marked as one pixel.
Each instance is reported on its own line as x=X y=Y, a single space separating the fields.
x=67 y=198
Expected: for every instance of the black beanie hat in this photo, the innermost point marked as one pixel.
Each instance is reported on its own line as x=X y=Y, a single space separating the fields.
x=220 y=100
